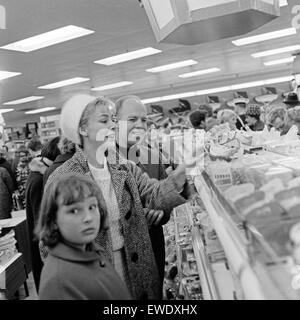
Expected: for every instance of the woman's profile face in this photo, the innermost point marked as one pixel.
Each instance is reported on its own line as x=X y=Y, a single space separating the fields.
x=232 y=122
x=278 y=123
x=100 y=127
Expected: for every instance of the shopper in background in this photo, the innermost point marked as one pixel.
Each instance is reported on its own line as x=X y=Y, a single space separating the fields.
x=278 y=120
x=72 y=215
x=240 y=110
x=67 y=150
x=6 y=191
x=88 y=122
x=33 y=197
x=198 y=119
x=228 y=116
x=253 y=118
x=22 y=173
x=34 y=147
x=131 y=111
x=5 y=164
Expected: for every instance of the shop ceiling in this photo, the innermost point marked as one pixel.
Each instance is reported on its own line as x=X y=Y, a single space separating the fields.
x=120 y=26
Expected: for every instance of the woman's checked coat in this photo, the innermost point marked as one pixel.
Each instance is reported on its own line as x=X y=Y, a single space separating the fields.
x=134 y=190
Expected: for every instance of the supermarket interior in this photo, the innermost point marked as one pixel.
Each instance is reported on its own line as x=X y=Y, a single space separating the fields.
x=150 y=150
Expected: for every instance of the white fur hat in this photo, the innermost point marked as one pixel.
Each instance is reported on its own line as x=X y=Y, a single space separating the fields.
x=71 y=114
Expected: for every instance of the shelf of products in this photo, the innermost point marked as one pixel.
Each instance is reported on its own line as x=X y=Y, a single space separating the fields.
x=49 y=128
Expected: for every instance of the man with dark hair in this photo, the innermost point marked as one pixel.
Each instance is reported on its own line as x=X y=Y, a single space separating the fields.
x=198 y=119
x=5 y=164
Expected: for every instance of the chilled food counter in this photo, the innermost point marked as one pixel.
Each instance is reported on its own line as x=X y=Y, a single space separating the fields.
x=254 y=209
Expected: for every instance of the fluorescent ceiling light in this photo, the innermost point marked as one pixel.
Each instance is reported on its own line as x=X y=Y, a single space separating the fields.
x=171 y=66
x=24 y=100
x=8 y=74
x=40 y=110
x=199 y=73
x=283 y=3
x=64 y=83
x=132 y=55
x=5 y=110
x=275 y=51
x=112 y=86
x=279 y=61
x=48 y=39
x=220 y=89
x=179 y=96
x=265 y=36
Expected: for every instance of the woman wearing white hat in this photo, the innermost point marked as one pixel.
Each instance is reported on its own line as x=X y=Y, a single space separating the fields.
x=87 y=121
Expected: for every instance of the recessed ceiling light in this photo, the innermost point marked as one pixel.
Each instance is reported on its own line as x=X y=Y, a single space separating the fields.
x=265 y=36
x=64 y=83
x=48 y=39
x=279 y=61
x=275 y=51
x=199 y=73
x=6 y=110
x=128 y=56
x=24 y=100
x=172 y=66
x=8 y=74
x=40 y=110
x=112 y=86
x=220 y=89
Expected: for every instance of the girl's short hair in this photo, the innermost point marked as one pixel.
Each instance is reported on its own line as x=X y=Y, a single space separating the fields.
x=66 y=190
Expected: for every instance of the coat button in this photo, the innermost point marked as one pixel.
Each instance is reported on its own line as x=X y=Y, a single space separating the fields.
x=102 y=264
x=128 y=215
x=134 y=257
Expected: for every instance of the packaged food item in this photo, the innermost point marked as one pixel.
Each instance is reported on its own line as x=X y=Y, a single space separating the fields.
x=279 y=172
x=294 y=183
x=288 y=198
x=250 y=202
x=272 y=187
x=254 y=174
x=235 y=193
x=266 y=214
x=238 y=172
x=220 y=172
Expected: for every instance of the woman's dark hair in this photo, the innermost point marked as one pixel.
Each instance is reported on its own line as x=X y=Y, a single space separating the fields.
x=50 y=150
x=66 y=190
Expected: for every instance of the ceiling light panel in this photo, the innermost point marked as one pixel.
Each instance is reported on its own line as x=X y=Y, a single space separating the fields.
x=112 y=86
x=40 y=110
x=64 y=83
x=199 y=73
x=132 y=55
x=8 y=74
x=172 y=66
x=5 y=110
x=276 y=51
x=220 y=89
x=48 y=39
x=265 y=37
x=24 y=100
x=280 y=61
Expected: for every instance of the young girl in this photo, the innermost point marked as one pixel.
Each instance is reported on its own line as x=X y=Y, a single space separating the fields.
x=72 y=214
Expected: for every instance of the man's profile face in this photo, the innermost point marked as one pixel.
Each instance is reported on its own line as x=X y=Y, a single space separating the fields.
x=133 y=114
